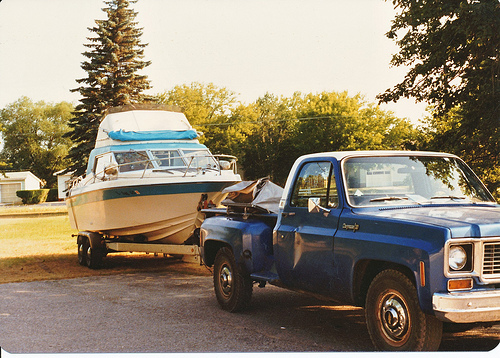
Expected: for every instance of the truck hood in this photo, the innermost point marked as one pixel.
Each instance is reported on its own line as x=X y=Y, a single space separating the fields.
x=462 y=220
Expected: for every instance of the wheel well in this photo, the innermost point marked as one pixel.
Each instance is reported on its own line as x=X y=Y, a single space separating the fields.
x=210 y=249
x=366 y=270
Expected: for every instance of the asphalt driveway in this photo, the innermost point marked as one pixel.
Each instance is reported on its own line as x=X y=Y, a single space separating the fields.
x=174 y=312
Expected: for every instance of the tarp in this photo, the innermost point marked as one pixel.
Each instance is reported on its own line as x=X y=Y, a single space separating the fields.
x=126 y=136
x=261 y=194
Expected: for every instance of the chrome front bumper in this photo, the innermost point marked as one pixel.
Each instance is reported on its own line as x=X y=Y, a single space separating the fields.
x=467 y=307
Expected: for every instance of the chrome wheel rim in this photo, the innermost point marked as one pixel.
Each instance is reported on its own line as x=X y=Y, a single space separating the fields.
x=80 y=251
x=88 y=256
x=395 y=319
x=226 y=280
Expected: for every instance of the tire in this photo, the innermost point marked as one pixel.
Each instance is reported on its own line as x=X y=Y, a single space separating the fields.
x=93 y=256
x=81 y=252
x=232 y=288
x=394 y=318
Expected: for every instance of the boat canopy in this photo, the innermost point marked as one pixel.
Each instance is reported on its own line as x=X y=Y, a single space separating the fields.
x=143 y=125
x=125 y=136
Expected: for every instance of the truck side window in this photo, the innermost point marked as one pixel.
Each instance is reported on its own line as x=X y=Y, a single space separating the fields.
x=315 y=180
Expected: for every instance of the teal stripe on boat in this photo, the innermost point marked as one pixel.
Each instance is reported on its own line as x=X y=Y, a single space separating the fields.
x=148 y=190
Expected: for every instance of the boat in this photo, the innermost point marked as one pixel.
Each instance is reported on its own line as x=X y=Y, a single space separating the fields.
x=148 y=177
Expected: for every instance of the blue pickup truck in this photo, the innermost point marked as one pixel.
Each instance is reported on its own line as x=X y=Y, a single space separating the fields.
x=413 y=237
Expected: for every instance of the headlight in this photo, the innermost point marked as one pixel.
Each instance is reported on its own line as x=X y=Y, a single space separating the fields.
x=457 y=258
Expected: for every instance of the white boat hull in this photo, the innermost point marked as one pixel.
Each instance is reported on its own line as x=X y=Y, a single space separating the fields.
x=149 y=212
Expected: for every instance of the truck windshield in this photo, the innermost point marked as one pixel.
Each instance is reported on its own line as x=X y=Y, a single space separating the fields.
x=401 y=180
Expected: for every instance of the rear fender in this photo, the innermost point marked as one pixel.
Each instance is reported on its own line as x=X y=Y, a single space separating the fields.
x=250 y=240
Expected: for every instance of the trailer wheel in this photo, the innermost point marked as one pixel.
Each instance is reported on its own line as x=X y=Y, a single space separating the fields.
x=81 y=252
x=93 y=256
x=233 y=289
x=394 y=318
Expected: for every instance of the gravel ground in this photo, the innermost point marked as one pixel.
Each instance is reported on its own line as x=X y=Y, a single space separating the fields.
x=171 y=312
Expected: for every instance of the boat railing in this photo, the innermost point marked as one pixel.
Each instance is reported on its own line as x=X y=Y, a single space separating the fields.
x=224 y=162
x=111 y=172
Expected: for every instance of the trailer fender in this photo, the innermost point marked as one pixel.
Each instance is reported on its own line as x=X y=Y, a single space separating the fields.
x=95 y=239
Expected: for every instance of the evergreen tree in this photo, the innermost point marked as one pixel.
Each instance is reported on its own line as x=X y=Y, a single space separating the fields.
x=114 y=58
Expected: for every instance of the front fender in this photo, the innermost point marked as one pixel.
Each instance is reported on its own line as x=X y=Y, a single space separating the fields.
x=414 y=247
x=370 y=254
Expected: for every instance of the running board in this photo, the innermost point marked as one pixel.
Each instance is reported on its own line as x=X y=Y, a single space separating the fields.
x=266 y=276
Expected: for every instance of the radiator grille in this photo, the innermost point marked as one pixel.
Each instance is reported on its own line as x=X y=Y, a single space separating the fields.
x=491 y=259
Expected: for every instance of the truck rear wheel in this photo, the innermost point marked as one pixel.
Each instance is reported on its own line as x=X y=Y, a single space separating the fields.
x=394 y=318
x=233 y=289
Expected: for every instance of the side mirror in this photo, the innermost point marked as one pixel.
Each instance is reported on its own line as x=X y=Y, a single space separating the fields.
x=314 y=207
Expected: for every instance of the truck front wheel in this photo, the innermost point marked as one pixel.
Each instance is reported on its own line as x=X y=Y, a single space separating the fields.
x=233 y=289
x=394 y=318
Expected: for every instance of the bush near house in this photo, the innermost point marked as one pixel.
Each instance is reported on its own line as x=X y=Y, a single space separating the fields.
x=53 y=195
x=33 y=196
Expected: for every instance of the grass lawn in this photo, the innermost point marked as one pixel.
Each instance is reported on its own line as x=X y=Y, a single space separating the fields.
x=32 y=209
x=36 y=236
x=36 y=248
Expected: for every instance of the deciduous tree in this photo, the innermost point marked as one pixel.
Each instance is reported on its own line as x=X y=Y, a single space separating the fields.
x=270 y=133
x=34 y=137
x=329 y=121
x=452 y=48
x=209 y=109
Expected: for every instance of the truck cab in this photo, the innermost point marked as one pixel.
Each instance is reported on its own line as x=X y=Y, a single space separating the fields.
x=413 y=237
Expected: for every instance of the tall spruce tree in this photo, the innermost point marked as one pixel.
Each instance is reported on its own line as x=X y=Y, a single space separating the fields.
x=114 y=59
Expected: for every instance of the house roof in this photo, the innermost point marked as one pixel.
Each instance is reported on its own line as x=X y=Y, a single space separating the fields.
x=60 y=172
x=17 y=176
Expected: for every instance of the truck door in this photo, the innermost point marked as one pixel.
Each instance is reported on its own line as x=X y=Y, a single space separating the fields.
x=304 y=240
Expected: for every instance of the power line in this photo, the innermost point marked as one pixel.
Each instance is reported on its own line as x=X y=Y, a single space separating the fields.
x=274 y=120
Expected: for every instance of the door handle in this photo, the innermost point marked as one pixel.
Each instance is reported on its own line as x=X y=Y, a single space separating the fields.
x=285 y=214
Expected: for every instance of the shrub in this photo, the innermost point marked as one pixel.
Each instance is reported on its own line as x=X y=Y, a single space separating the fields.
x=33 y=196
x=53 y=195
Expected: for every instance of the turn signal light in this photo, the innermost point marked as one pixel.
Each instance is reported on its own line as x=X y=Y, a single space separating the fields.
x=461 y=284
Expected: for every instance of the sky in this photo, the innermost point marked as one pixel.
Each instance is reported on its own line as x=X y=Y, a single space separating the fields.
x=248 y=46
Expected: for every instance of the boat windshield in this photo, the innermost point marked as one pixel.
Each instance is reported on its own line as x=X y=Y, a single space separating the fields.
x=133 y=160
x=200 y=159
x=403 y=180
x=168 y=158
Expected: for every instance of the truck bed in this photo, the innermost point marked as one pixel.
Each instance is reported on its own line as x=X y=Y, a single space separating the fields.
x=242 y=212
